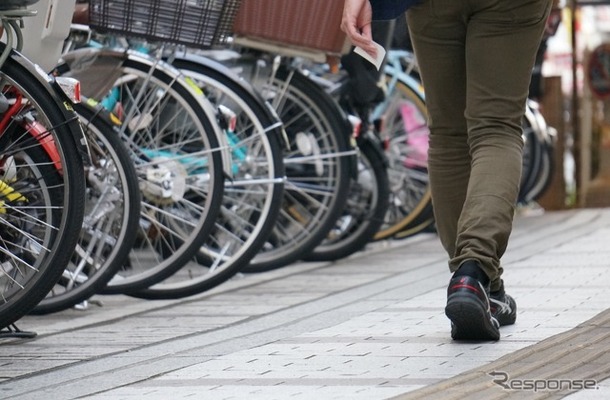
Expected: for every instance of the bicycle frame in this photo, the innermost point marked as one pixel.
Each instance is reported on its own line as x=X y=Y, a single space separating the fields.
x=397 y=72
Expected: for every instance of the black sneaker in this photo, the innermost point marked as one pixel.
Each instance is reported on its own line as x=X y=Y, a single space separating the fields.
x=503 y=307
x=469 y=311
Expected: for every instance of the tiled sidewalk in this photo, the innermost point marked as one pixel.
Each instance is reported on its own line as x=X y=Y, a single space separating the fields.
x=369 y=327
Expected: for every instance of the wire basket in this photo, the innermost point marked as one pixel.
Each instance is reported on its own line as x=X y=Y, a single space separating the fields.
x=194 y=23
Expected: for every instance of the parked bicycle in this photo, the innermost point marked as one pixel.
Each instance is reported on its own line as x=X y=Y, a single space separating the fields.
x=319 y=164
x=112 y=209
x=368 y=197
x=252 y=139
x=42 y=185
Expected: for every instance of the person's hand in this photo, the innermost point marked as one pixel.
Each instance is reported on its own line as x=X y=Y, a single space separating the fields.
x=356 y=23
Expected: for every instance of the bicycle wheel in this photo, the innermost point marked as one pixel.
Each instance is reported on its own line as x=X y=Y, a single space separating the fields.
x=367 y=203
x=173 y=137
x=405 y=133
x=318 y=165
x=538 y=154
x=41 y=188
x=111 y=216
x=532 y=155
x=252 y=196
x=543 y=173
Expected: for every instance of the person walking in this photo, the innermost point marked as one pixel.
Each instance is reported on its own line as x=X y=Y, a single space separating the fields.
x=475 y=58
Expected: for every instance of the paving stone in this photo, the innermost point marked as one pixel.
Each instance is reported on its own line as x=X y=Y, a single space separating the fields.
x=368 y=327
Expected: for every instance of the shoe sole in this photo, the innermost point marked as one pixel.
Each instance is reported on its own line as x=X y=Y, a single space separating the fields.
x=470 y=320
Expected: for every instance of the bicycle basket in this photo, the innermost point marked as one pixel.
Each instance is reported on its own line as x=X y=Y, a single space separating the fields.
x=194 y=23
x=312 y=24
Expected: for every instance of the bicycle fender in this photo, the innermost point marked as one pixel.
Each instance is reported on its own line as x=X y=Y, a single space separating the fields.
x=371 y=140
x=58 y=95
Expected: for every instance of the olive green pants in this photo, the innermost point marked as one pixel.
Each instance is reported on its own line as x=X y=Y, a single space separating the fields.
x=476 y=59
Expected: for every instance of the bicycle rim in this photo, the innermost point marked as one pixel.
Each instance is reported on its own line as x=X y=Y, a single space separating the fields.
x=406 y=134
x=318 y=168
x=111 y=215
x=172 y=135
x=252 y=197
x=364 y=213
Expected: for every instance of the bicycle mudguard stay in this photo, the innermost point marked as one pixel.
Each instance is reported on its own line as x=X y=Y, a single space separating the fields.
x=277 y=129
x=48 y=81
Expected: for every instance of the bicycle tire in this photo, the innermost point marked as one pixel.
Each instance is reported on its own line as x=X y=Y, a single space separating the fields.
x=367 y=204
x=173 y=136
x=40 y=162
x=253 y=195
x=424 y=222
x=318 y=166
x=112 y=215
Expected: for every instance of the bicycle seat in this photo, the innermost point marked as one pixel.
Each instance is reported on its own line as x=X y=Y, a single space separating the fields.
x=15 y=4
